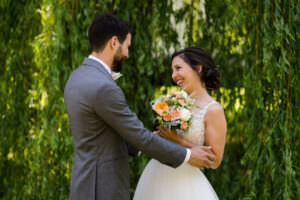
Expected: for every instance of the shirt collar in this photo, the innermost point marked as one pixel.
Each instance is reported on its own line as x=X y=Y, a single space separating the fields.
x=101 y=62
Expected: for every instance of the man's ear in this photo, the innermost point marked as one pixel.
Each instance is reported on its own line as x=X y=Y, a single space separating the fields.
x=114 y=41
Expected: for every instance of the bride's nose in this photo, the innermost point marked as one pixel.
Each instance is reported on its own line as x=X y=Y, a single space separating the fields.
x=173 y=76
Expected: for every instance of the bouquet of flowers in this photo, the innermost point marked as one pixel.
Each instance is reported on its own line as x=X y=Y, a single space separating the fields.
x=174 y=111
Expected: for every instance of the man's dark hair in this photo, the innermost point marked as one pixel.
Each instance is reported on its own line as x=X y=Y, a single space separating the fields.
x=103 y=28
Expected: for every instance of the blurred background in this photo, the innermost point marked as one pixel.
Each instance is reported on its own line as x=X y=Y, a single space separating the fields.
x=255 y=44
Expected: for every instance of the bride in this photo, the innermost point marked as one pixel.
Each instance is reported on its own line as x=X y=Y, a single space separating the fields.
x=195 y=72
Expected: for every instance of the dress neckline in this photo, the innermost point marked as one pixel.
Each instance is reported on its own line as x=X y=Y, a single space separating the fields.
x=206 y=106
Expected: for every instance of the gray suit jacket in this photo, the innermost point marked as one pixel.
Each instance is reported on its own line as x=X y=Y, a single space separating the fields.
x=100 y=122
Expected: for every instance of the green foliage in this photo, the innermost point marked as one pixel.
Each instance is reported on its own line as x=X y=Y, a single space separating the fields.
x=254 y=43
x=19 y=24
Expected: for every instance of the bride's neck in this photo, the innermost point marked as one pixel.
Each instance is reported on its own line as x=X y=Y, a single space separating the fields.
x=201 y=95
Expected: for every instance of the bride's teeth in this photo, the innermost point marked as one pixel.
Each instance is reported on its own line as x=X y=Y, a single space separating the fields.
x=179 y=83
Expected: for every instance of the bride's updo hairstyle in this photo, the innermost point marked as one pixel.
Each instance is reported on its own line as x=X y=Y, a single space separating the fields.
x=195 y=56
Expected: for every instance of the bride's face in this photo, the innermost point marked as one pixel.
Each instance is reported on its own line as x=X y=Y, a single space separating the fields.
x=184 y=76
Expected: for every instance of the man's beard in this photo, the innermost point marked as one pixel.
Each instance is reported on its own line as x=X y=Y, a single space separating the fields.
x=117 y=62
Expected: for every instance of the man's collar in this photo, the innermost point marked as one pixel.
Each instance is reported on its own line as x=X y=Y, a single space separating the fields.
x=101 y=62
x=115 y=75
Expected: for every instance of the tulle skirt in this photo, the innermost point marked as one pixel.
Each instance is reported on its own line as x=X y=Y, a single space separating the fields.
x=161 y=182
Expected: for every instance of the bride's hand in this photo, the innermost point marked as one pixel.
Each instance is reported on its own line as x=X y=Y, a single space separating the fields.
x=168 y=134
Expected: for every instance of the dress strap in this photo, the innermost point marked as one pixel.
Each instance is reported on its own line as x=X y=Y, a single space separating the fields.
x=207 y=106
x=202 y=110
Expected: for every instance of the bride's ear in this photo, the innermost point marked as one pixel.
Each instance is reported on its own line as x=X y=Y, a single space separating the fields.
x=199 y=69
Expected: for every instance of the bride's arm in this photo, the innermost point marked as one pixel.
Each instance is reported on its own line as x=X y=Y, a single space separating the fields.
x=215 y=132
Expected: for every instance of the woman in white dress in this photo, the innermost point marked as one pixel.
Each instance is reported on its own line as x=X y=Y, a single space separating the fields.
x=195 y=72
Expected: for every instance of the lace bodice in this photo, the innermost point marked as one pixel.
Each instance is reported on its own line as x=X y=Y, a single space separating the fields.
x=196 y=131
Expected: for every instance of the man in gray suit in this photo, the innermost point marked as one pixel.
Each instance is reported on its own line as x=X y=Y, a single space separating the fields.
x=101 y=121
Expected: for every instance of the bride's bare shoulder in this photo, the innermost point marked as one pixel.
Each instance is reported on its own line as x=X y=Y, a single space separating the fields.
x=214 y=110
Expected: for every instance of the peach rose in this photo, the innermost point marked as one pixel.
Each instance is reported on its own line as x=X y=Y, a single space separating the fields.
x=167 y=117
x=175 y=114
x=181 y=102
x=178 y=96
x=166 y=99
x=183 y=125
x=173 y=93
x=160 y=107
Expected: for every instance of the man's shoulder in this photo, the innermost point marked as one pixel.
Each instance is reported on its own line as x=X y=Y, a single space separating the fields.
x=89 y=80
x=89 y=74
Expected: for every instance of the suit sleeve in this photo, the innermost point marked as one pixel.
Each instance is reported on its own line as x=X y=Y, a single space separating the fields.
x=132 y=151
x=110 y=104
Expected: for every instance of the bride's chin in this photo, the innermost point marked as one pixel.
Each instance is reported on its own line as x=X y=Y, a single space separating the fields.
x=187 y=91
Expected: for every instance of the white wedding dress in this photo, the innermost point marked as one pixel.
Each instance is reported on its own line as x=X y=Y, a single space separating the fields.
x=161 y=182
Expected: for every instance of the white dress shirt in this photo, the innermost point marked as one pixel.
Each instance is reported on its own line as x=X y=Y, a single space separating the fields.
x=188 y=151
x=101 y=62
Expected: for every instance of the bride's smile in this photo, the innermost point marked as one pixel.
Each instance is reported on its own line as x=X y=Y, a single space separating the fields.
x=184 y=76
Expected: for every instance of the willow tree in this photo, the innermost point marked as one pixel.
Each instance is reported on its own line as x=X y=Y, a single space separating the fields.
x=19 y=24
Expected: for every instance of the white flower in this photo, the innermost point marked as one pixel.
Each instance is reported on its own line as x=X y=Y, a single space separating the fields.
x=185 y=114
x=184 y=94
x=116 y=75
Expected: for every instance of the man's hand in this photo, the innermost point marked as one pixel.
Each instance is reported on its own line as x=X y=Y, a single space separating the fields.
x=156 y=133
x=202 y=157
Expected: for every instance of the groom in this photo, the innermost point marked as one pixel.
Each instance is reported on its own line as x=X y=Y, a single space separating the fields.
x=101 y=121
